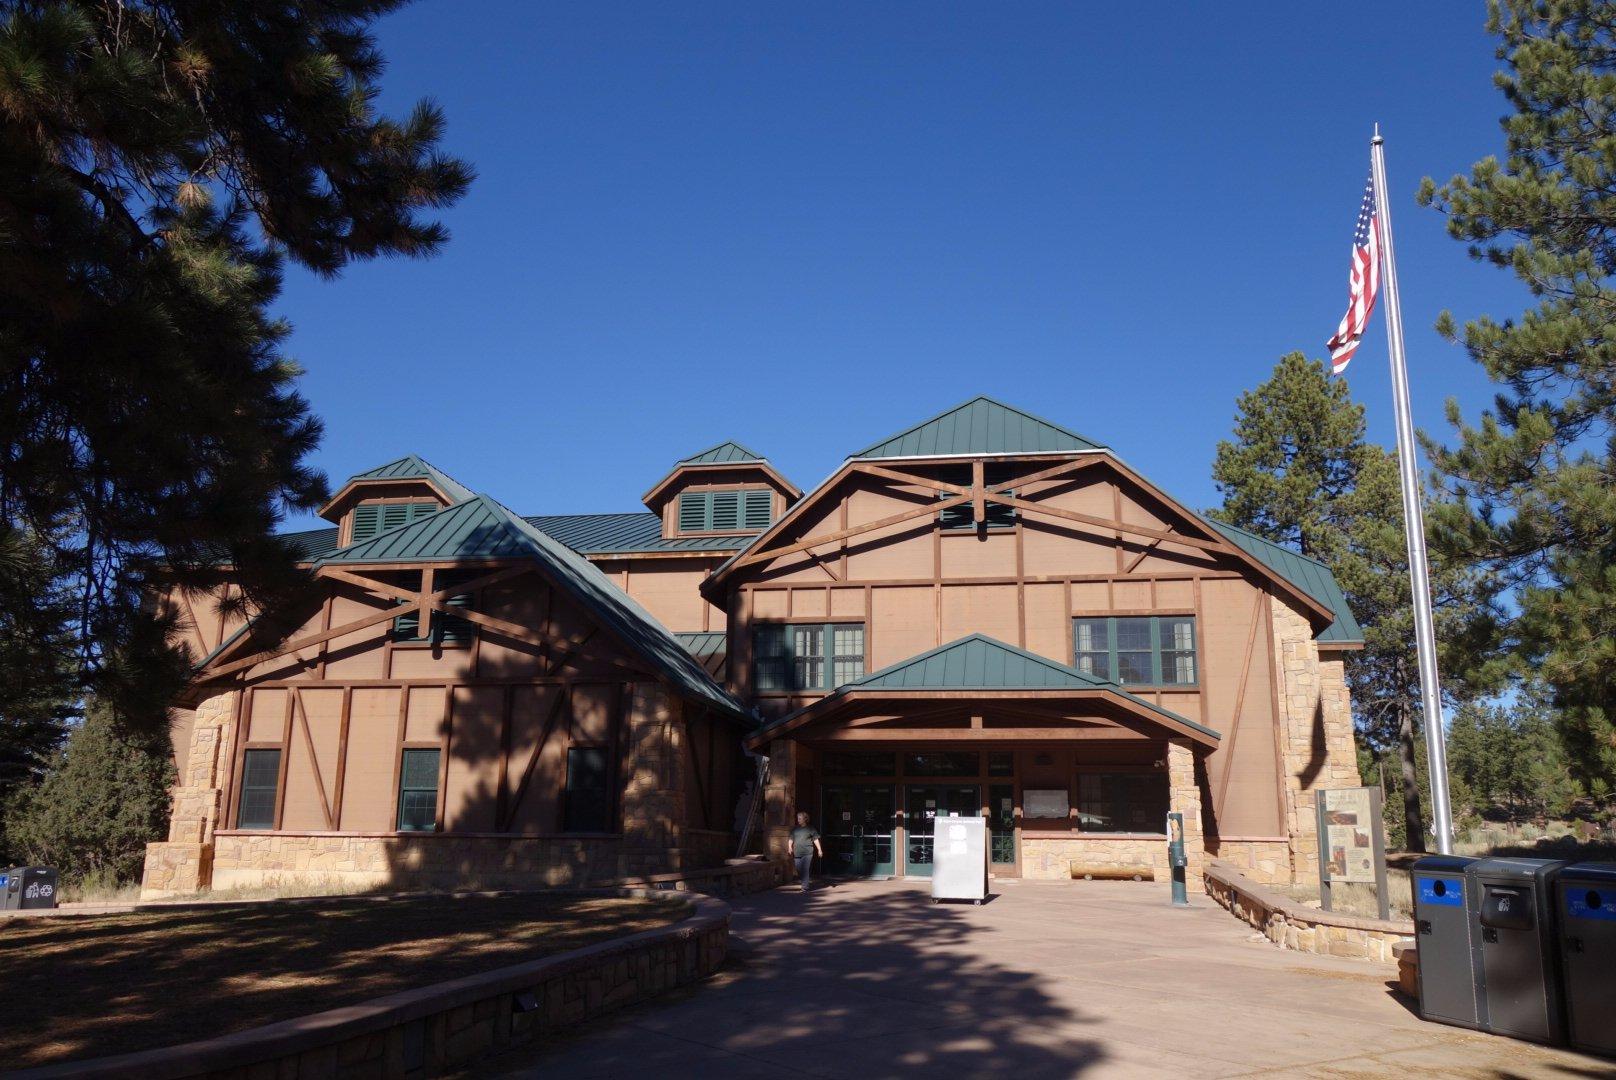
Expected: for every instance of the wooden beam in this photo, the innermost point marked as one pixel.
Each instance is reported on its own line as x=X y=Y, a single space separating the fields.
x=563 y=696
x=1108 y=524
x=314 y=761
x=979 y=507
x=214 y=672
x=848 y=533
x=899 y=477
x=1239 y=704
x=986 y=735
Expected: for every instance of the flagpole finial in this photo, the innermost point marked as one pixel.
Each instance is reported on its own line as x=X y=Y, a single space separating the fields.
x=1377 y=140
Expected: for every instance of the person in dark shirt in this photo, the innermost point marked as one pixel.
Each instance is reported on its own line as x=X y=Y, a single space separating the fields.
x=804 y=846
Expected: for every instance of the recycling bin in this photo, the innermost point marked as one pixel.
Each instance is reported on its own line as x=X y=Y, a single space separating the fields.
x=1512 y=904
x=1585 y=900
x=27 y=887
x=1450 y=962
x=959 y=868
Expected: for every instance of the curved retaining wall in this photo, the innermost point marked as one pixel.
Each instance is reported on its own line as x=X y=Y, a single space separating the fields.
x=423 y=1032
x=1292 y=925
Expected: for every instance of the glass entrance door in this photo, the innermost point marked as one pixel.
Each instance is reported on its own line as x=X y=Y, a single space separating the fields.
x=858 y=829
x=923 y=804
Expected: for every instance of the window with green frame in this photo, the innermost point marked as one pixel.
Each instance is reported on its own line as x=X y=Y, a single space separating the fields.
x=587 y=801
x=726 y=511
x=449 y=630
x=418 y=791
x=1145 y=650
x=260 y=784
x=995 y=515
x=807 y=656
x=373 y=518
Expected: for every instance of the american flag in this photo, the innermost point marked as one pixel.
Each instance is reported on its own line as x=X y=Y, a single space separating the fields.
x=1363 y=283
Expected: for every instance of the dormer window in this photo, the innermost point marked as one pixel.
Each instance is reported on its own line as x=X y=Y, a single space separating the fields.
x=373 y=518
x=749 y=510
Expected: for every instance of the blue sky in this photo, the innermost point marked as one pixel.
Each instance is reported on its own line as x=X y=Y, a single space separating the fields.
x=805 y=227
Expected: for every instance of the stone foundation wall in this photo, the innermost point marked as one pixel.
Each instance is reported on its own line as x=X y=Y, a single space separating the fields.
x=431 y=860
x=1267 y=861
x=1316 y=737
x=706 y=847
x=440 y=1028
x=1050 y=858
x=1291 y=925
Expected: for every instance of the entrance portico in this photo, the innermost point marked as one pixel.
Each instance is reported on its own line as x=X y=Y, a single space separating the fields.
x=1067 y=768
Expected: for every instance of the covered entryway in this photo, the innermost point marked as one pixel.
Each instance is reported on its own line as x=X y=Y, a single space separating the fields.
x=1070 y=770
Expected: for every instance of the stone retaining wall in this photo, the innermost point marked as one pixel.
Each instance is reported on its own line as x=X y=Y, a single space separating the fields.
x=435 y=1029
x=1290 y=925
x=1267 y=861
x=1050 y=858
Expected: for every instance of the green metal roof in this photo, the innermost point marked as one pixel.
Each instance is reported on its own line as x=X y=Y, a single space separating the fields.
x=414 y=467
x=980 y=426
x=979 y=662
x=1309 y=575
x=481 y=528
x=703 y=643
x=722 y=454
x=632 y=533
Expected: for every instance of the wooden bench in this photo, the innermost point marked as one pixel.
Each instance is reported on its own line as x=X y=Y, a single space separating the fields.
x=1084 y=872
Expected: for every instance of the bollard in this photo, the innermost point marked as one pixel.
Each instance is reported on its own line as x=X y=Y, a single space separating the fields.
x=1176 y=859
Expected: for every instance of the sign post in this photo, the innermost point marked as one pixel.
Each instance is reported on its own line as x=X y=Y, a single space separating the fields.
x=1352 y=844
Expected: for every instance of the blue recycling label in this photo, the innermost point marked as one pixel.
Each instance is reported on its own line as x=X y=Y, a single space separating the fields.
x=1590 y=904
x=1444 y=891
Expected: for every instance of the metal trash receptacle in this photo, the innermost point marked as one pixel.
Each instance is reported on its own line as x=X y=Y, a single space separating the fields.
x=959 y=869
x=1450 y=962
x=24 y=887
x=1585 y=901
x=1512 y=904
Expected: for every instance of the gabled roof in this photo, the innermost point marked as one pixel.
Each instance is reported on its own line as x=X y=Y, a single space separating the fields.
x=980 y=426
x=415 y=467
x=1309 y=575
x=481 y=528
x=981 y=663
x=723 y=454
x=400 y=470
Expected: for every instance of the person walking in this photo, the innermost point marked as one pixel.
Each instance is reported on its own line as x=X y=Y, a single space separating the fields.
x=804 y=846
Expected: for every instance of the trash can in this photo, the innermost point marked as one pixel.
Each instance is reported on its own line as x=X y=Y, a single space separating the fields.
x=1585 y=896
x=27 y=887
x=959 y=869
x=1512 y=902
x=1449 y=961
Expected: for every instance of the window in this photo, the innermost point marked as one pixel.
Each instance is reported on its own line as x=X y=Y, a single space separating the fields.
x=446 y=629
x=1122 y=802
x=260 y=779
x=963 y=516
x=372 y=518
x=859 y=763
x=588 y=798
x=807 y=656
x=1146 y=650
x=726 y=511
x=943 y=763
x=418 y=791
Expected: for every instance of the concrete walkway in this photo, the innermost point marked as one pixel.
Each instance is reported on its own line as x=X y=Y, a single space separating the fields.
x=869 y=979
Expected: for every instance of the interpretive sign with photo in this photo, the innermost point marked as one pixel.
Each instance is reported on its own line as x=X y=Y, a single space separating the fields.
x=1351 y=844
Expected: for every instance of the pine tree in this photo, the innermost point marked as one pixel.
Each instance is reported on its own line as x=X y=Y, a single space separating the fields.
x=1533 y=483
x=1300 y=472
x=159 y=159
x=103 y=799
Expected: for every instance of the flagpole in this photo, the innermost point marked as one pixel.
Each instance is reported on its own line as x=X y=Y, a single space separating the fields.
x=1419 y=574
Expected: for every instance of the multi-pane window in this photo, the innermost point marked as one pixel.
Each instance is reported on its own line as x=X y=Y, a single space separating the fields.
x=373 y=518
x=726 y=511
x=1122 y=802
x=587 y=806
x=995 y=515
x=446 y=629
x=418 y=791
x=260 y=780
x=1146 y=650
x=807 y=656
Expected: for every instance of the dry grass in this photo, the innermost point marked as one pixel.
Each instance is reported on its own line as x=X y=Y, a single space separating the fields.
x=91 y=985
